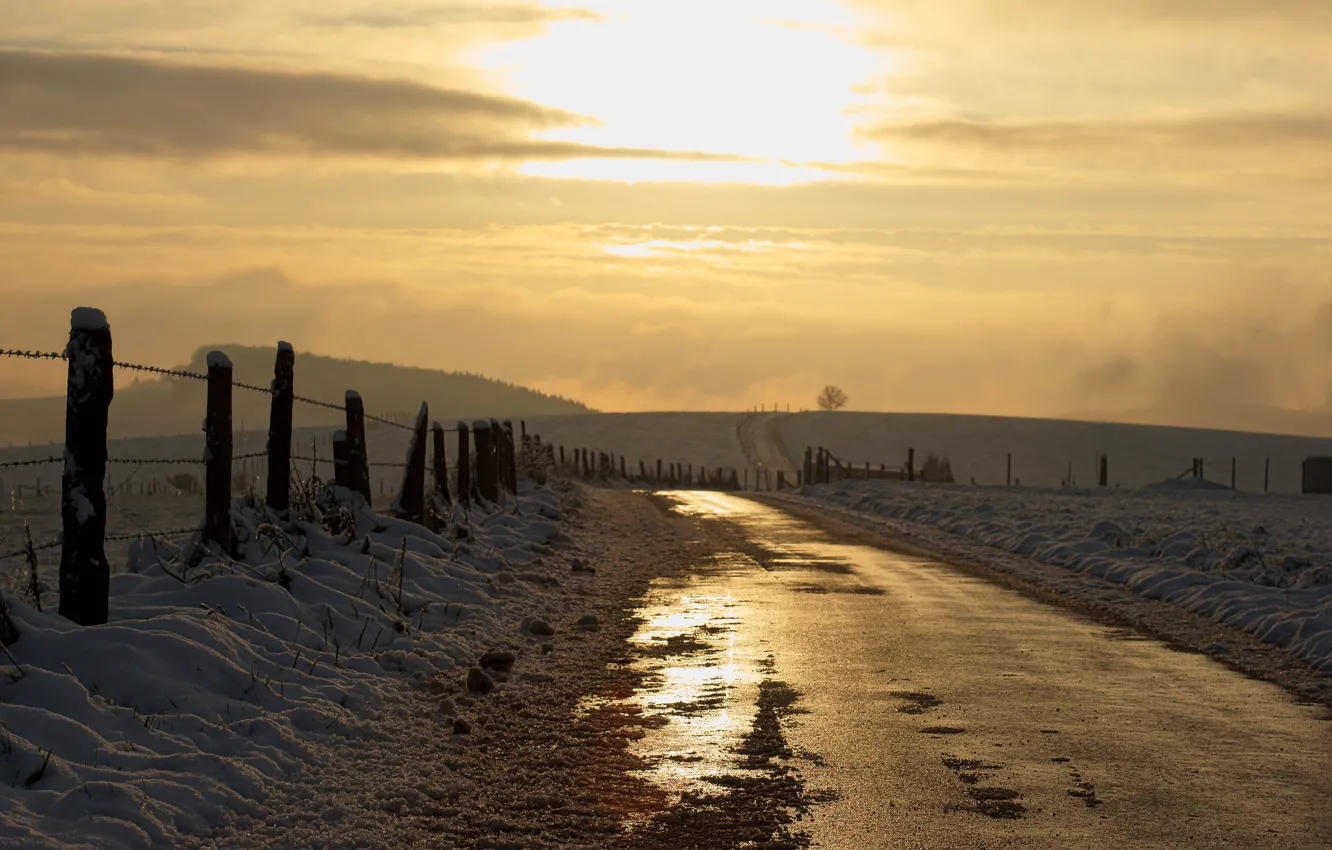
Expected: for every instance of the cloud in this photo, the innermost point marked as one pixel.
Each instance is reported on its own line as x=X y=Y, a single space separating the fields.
x=95 y=104
x=1074 y=135
x=408 y=16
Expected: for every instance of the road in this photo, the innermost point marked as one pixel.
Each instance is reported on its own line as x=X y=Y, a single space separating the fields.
x=874 y=700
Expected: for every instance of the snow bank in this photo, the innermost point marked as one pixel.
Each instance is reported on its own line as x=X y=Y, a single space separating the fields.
x=217 y=677
x=1262 y=564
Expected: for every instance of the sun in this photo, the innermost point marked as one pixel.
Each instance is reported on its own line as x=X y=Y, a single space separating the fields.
x=770 y=80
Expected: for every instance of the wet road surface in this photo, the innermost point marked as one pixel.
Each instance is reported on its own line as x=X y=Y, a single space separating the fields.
x=882 y=700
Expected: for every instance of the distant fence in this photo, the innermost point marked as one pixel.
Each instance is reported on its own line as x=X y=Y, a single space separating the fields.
x=487 y=464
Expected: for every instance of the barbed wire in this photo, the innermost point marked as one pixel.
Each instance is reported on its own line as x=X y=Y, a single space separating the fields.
x=302 y=399
x=37 y=462
x=308 y=459
x=141 y=534
x=157 y=370
x=32 y=355
x=152 y=461
x=252 y=387
x=389 y=463
x=250 y=456
x=24 y=551
x=390 y=422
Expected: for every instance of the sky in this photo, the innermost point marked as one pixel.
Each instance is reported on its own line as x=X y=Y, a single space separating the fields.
x=1021 y=207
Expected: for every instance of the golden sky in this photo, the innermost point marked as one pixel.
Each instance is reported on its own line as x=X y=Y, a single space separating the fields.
x=994 y=206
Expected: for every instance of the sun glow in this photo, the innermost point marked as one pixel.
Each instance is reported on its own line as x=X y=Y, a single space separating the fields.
x=770 y=80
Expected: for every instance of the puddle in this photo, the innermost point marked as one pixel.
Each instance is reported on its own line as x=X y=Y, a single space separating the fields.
x=700 y=683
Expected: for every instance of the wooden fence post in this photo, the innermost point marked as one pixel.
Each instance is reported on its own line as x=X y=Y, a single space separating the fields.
x=217 y=453
x=487 y=463
x=279 y=430
x=1267 y=469
x=464 y=465
x=441 y=465
x=358 y=461
x=658 y=470
x=1103 y=476
x=341 y=459
x=1232 y=473
x=85 y=575
x=781 y=480
x=561 y=455
x=1009 y=477
x=510 y=457
x=911 y=464
x=410 y=503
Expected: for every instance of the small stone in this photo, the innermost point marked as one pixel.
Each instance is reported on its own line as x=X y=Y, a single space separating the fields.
x=589 y=622
x=478 y=682
x=541 y=627
x=461 y=727
x=446 y=706
x=498 y=659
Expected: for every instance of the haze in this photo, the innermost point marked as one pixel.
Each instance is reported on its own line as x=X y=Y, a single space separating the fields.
x=1023 y=207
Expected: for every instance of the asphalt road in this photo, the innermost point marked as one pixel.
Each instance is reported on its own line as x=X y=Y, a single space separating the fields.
x=873 y=699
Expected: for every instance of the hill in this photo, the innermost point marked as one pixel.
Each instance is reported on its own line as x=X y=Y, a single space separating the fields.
x=176 y=405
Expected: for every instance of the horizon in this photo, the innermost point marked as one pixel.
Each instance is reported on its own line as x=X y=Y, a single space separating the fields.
x=935 y=207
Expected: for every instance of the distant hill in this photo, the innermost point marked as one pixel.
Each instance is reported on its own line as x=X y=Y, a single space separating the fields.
x=1237 y=416
x=145 y=408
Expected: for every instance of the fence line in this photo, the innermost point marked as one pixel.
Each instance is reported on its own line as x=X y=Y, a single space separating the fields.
x=485 y=477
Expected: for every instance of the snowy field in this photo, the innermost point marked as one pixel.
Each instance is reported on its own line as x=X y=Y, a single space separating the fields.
x=214 y=680
x=1043 y=449
x=1259 y=563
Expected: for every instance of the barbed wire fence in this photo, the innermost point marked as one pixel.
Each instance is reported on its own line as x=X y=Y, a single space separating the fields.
x=485 y=471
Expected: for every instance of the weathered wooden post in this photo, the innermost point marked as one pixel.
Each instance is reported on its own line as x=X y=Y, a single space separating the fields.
x=85 y=575
x=410 y=503
x=1008 y=479
x=464 y=464
x=1103 y=476
x=911 y=464
x=341 y=460
x=809 y=462
x=781 y=480
x=1232 y=473
x=487 y=463
x=658 y=470
x=623 y=471
x=511 y=465
x=217 y=453
x=279 y=430
x=1267 y=469
x=358 y=461
x=561 y=454
x=441 y=465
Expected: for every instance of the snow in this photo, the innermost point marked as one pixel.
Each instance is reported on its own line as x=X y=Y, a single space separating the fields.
x=481 y=425
x=218 y=360
x=214 y=680
x=1258 y=563
x=88 y=319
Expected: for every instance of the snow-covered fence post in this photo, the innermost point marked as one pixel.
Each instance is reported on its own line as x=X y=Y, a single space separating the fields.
x=464 y=464
x=487 y=467
x=85 y=575
x=358 y=460
x=410 y=503
x=217 y=453
x=279 y=430
x=511 y=467
x=341 y=459
x=441 y=465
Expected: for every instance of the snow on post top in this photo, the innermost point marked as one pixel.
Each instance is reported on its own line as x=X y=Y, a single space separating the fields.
x=284 y=346
x=218 y=360
x=87 y=319
x=481 y=425
x=353 y=395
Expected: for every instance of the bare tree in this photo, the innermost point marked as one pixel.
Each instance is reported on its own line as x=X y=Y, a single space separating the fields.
x=832 y=398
